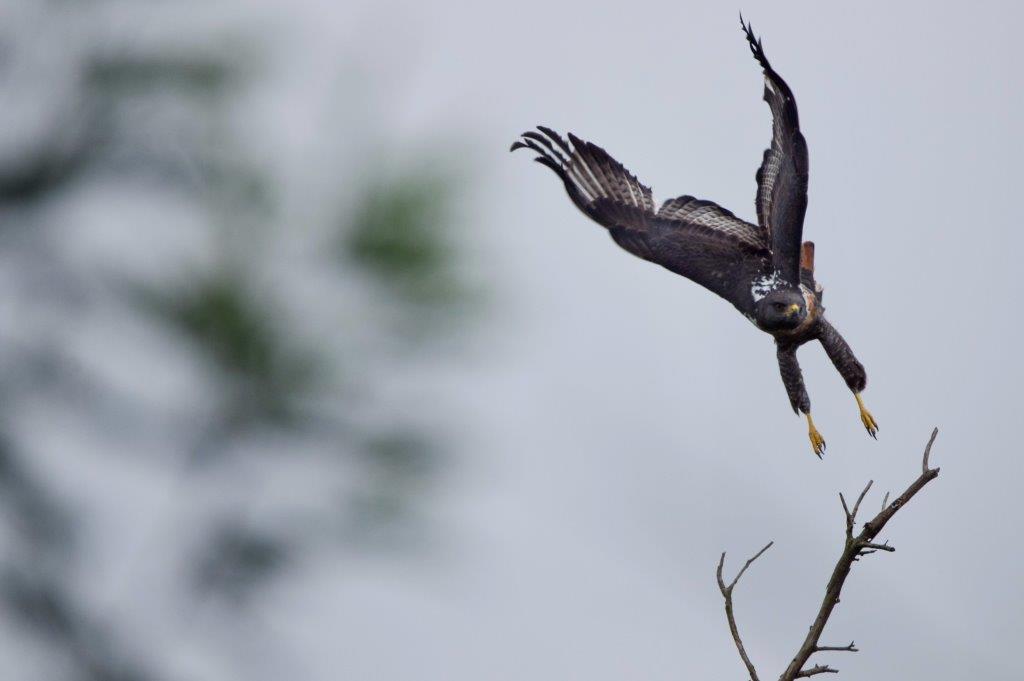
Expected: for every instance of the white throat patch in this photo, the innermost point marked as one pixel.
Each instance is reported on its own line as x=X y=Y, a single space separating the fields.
x=762 y=286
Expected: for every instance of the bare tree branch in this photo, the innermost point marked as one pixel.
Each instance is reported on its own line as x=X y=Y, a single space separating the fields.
x=928 y=452
x=849 y=518
x=855 y=547
x=852 y=648
x=856 y=507
x=878 y=547
x=727 y=595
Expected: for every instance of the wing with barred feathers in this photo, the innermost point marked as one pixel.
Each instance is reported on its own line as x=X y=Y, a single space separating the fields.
x=782 y=178
x=697 y=239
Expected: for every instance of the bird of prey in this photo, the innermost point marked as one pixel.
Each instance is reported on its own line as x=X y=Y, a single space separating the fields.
x=765 y=270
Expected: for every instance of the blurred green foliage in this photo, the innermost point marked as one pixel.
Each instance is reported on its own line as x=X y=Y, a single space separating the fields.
x=167 y=115
x=401 y=233
x=40 y=520
x=265 y=374
x=145 y=71
x=45 y=606
x=237 y=559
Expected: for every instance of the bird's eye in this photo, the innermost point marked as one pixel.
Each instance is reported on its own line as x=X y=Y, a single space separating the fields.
x=779 y=306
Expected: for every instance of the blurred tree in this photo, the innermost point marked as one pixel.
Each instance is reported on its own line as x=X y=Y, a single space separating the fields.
x=261 y=376
x=194 y=397
x=398 y=235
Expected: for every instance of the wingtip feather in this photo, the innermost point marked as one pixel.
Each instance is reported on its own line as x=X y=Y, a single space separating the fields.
x=756 y=48
x=555 y=137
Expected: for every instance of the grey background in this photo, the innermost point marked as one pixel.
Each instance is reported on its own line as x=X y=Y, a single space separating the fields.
x=636 y=425
x=617 y=427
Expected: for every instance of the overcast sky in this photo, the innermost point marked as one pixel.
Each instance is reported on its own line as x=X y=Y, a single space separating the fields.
x=618 y=426
x=627 y=426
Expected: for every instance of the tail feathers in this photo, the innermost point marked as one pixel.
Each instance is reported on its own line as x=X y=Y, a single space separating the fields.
x=807 y=256
x=807 y=269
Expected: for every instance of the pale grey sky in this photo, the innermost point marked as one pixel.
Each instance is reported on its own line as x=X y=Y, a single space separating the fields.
x=629 y=426
x=618 y=426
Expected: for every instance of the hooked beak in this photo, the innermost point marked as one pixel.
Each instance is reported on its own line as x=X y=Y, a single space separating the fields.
x=793 y=310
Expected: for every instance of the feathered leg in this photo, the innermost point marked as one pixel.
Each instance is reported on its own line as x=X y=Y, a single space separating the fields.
x=793 y=379
x=852 y=371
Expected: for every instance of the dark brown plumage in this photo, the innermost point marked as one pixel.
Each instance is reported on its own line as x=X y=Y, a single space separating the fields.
x=765 y=270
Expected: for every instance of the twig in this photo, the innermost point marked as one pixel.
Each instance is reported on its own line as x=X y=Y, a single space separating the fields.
x=856 y=507
x=928 y=452
x=849 y=518
x=852 y=648
x=727 y=595
x=854 y=548
x=879 y=547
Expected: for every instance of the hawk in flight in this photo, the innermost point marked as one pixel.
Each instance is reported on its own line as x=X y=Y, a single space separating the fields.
x=765 y=270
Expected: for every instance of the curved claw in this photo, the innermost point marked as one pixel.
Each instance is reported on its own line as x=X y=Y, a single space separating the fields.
x=817 y=441
x=866 y=418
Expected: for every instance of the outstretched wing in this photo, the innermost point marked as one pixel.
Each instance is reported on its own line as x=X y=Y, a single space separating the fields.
x=782 y=178
x=698 y=239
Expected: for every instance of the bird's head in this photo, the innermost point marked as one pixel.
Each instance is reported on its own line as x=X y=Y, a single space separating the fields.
x=781 y=310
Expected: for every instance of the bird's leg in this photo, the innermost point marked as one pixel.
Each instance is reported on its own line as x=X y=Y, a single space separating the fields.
x=866 y=418
x=793 y=379
x=852 y=371
x=817 y=441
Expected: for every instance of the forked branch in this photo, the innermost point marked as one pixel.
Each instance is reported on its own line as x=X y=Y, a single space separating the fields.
x=855 y=546
x=729 y=616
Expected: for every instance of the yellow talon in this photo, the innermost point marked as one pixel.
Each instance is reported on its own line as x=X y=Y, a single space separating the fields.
x=866 y=418
x=817 y=441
